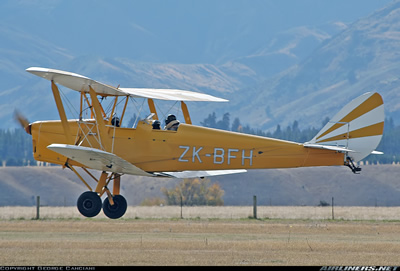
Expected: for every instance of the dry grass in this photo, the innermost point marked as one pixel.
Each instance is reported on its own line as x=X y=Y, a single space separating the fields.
x=310 y=240
x=198 y=242
x=222 y=212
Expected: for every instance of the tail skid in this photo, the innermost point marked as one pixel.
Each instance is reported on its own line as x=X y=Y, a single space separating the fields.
x=350 y=164
x=355 y=130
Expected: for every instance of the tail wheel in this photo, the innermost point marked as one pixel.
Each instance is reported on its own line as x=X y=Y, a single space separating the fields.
x=118 y=209
x=89 y=204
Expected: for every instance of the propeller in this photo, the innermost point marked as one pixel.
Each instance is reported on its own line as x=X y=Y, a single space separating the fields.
x=22 y=121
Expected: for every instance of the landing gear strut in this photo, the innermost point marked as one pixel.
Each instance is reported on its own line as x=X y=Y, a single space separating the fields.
x=89 y=203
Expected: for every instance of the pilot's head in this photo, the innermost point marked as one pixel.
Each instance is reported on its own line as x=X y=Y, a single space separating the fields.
x=169 y=118
x=156 y=124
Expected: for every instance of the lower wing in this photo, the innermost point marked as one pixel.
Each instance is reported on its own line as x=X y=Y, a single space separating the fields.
x=105 y=161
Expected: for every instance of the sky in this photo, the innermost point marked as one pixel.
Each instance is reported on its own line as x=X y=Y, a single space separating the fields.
x=183 y=31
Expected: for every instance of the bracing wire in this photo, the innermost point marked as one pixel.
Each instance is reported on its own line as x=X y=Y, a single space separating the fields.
x=139 y=110
x=72 y=109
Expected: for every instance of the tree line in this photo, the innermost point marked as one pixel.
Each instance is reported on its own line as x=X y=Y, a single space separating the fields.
x=16 y=145
x=389 y=145
x=16 y=148
x=291 y=132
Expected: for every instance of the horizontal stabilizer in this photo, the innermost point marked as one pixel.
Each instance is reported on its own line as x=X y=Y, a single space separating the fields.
x=97 y=159
x=327 y=147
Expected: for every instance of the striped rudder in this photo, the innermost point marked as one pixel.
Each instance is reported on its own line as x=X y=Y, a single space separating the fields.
x=358 y=127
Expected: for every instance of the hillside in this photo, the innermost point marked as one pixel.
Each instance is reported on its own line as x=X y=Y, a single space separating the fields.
x=364 y=57
x=376 y=185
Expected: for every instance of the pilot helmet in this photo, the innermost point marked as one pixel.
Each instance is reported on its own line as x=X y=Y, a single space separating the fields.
x=115 y=121
x=169 y=118
x=156 y=124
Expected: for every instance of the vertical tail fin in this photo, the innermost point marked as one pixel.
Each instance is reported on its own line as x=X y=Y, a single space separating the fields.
x=358 y=127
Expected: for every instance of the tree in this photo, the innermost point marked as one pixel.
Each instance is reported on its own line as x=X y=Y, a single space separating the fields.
x=224 y=123
x=278 y=132
x=236 y=126
x=214 y=195
x=210 y=121
x=16 y=147
x=194 y=192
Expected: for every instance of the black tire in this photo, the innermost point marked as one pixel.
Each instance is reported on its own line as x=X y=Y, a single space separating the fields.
x=89 y=204
x=117 y=210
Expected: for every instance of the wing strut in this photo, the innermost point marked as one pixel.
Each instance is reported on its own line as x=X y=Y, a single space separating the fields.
x=186 y=113
x=79 y=176
x=61 y=111
x=123 y=111
x=105 y=140
x=152 y=108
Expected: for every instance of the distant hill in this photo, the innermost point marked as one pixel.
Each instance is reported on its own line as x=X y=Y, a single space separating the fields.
x=362 y=58
x=376 y=185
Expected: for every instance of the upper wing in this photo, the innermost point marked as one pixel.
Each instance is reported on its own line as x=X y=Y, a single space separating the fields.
x=81 y=83
x=74 y=81
x=171 y=94
x=98 y=159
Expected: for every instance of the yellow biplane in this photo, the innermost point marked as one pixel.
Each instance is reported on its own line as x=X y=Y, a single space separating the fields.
x=180 y=150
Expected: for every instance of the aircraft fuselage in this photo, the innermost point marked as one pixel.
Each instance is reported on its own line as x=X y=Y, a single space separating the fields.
x=190 y=148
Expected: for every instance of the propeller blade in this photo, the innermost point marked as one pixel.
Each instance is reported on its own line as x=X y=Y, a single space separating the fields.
x=22 y=121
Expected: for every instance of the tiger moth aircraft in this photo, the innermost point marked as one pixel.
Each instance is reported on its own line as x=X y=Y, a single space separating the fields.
x=98 y=142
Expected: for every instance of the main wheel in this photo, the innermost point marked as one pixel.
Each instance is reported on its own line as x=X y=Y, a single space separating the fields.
x=117 y=210
x=89 y=204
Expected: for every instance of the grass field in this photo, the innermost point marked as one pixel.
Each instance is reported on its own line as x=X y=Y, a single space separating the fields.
x=157 y=236
x=218 y=212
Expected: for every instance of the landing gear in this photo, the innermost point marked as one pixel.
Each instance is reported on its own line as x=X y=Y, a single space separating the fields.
x=89 y=204
x=116 y=210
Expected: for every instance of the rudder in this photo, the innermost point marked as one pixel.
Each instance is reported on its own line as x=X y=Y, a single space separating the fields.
x=358 y=127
